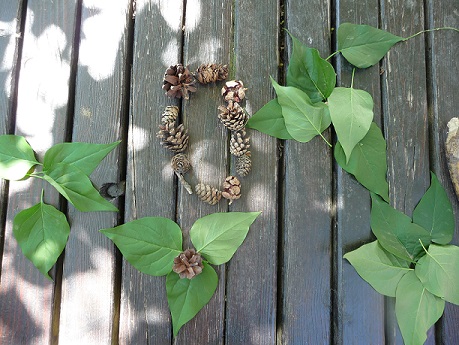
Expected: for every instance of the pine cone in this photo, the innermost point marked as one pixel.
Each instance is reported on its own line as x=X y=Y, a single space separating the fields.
x=178 y=81
x=173 y=138
x=233 y=91
x=239 y=144
x=170 y=114
x=243 y=164
x=231 y=189
x=180 y=163
x=188 y=264
x=233 y=116
x=209 y=73
x=208 y=194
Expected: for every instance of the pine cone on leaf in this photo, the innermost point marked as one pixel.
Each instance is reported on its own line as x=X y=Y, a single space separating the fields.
x=233 y=116
x=231 y=189
x=173 y=138
x=188 y=264
x=208 y=194
x=209 y=73
x=178 y=82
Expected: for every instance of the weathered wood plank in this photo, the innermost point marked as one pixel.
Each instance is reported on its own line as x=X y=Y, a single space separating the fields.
x=405 y=120
x=360 y=309
x=87 y=305
x=207 y=39
x=150 y=187
x=443 y=48
x=307 y=259
x=252 y=273
x=26 y=297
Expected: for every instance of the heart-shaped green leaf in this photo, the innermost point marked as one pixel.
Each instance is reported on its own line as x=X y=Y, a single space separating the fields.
x=149 y=244
x=351 y=113
x=303 y=119
x=363 y=45
x=186 y=297
x=218 y=235
x=42 y=232
x=379 y=268
x=435 y=213
x=269 y=120
x=84 y=156
x=368 y=162
x=395 y=231
x=16 y=157
x=77 y=188
x=439 y=272
x=416 y=309
x=310 y=73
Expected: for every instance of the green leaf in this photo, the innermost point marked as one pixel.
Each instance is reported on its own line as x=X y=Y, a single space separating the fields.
x=149 y=244
x=438 y=271
x=84 y=156
x=42 y=232
x=186 y=297
x=379 y=268
x=435 y=213
x=303 y=119
x=269 y=120
x=218 y=235
x=77 y=188
x=368 y=162
x=416 y=309
x=16 y=157
x=351 y=113
x=395 y=231
x=310 y=73
x=363 y=45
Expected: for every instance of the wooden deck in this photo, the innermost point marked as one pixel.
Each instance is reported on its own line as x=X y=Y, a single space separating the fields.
x=92 y=71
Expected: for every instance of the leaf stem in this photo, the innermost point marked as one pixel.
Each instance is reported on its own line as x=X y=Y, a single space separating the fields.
x=430 y=30
x=332 y=55
x=329 y=145
x=352 y=80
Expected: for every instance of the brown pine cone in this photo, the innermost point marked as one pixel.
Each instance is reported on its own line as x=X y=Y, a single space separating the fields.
x=243 y=164
x=188 y=264
x=234 y=91
x=239 y=144
x=233 y=116
x=231 y=189
x=178 y=81
x=208 y=194
x=180 y=163
x=209 y=73
x=170 y=114
x=173 y=138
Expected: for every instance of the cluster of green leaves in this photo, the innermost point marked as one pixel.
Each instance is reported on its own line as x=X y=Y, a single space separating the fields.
x=412 y=260
x=42 y=230
x=150 y=244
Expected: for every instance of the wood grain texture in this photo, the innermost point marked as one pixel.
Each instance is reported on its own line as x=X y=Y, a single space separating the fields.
x=307 y=239
x=207 y=39
x=26 y=296
x=405 y=120
x=443 y=47
x=150 y=187
x=360 y=309
x=87 y=306
x=252 y=273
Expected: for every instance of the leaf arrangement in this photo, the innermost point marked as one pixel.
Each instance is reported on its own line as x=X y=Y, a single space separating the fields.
x=411 y=259
x=42 y=230
x=150 y=245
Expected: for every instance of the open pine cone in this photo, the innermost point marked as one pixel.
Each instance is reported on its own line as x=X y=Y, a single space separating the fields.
x=173 y=138
x=233 y=91
x=233 y=116
x=231 y=188
x=239 y=143
x=178 y=81
x=209 y=73
x=188 y=264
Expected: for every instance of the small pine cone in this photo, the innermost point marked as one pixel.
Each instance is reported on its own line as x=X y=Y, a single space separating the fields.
x=233 y=116
x=239 y=144
x=231 y=189
x=234 y=91
x=209 y=73
x=178 y=81
x=208 y=194
x=170 y=114
x=180 y=163
x=243 y=164
x=173 y=138
x=188 y=264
